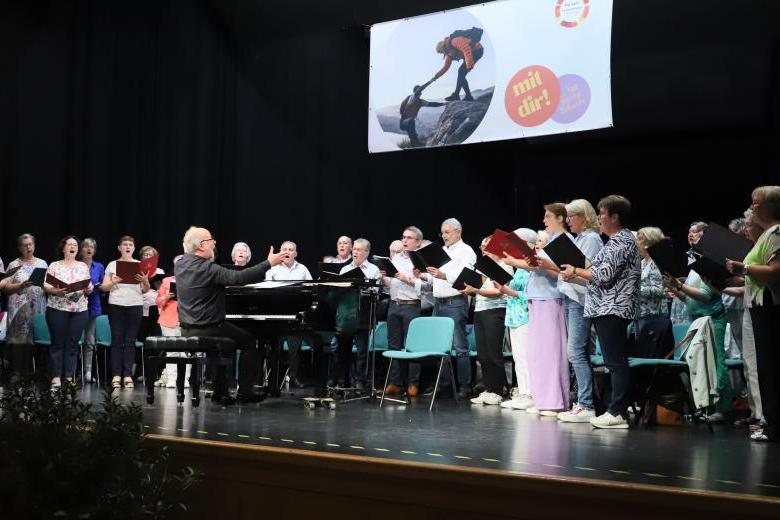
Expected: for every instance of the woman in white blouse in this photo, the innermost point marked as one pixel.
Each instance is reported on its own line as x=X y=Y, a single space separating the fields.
x=125 y=308
x=66 y=312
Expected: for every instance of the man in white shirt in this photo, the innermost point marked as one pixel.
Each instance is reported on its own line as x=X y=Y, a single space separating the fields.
x=291 y=269
x=452 y=303
x=404 y=307
x=360 y=250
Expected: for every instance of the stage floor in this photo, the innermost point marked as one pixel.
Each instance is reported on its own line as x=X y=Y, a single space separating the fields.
x=464 y=435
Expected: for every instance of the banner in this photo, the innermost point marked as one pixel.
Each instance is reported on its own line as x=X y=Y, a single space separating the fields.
x=502 y=70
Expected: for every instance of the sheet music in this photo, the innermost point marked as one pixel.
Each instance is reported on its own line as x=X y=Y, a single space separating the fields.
x=271 y=284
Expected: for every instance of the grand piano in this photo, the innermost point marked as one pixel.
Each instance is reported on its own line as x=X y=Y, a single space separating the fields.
x=315 y=310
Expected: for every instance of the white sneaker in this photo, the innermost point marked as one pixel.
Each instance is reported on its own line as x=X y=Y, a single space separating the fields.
x=607 y=420
x=577 y=414
x=525 y=402
x=171 y=383
x=163 y=381
x=759 y=436
x=532 y=410
x=487 y=398
x=716 y=417
x=514 y=393
x=509 y=403
x=548 y=413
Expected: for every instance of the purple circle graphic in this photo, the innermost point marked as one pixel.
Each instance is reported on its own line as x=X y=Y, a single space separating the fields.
x=575 y=98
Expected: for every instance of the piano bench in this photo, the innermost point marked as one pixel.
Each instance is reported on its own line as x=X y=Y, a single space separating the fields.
x=155 y=348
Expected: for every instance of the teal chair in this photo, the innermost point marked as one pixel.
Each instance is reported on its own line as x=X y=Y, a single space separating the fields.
x=471 y=339
x=41 y=333
x=677 y=363
x=426 y=338
x=378 y=337
x=103 y=340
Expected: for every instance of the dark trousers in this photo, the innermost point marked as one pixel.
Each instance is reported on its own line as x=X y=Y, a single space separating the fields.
x=456 y=308
x=408 y=125
x=345 y=357
x=124 y=322
x=398 y=318
x=65 y=329
x=21 y=358
x=489 y=333
x=293 y=354
x=462 y=71
x=612 y=334
x=247 y=365
x=766 y=331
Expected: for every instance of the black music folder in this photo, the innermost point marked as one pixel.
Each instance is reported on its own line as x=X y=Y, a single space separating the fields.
x=668 y=259
x=467 y=276
x=332 y=267
x=492 y=270
x=719 y=243
x=38 y=276
x=353 y=274
x=712 y=272
x=432 y=255
x=384 y=264
x=10 y=272
x=172 y=290
x=563 y=251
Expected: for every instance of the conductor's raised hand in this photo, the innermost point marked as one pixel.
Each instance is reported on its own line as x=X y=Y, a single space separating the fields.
x=276 y=258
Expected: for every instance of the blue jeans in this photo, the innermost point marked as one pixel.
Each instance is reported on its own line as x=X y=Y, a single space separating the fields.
x=66 y=329
x=456 y=308
x=578 y=329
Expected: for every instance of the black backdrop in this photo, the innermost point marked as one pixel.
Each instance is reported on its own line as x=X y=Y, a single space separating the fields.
x=250 y=117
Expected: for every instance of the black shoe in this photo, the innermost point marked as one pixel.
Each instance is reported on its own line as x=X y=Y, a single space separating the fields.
x=453 y=97
x=251 y=398
x=464 y=393
x=223 y=400
x=296 y=383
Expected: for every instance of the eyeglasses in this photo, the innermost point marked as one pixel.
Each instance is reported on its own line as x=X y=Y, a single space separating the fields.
x=407 y=237
x=208 y=240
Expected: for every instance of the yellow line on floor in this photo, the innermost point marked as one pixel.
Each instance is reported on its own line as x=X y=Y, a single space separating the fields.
x=310 y=443
x=265 y=438
x=689 y=478
x=182 y=430
x=463 y=457
x=223 y=434
x=490 y=460
x=333 y=445
x=202 y=432
x=409 y=452
x=435 y=454
x=520 y=462
x=620 y=471
x=357 y=447
x=243 y=436
x=654 y=475
x=770 y=486
x=381 y=449
x=162 y=427
x=286 y=440
x=585 y=469
x=553 y=466
x=728 y=482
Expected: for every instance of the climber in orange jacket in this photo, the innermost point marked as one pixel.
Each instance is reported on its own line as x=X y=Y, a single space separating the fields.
x=460 y=45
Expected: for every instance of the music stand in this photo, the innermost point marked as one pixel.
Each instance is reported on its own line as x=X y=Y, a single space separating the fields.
x=372 y=320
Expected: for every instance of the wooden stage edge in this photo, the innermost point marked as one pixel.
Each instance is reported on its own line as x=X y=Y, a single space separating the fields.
x=243 y=481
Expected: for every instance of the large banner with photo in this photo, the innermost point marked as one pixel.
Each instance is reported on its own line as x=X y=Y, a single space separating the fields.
x=502 y=70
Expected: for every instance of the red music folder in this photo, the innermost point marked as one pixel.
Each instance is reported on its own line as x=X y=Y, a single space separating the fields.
x=502 y=241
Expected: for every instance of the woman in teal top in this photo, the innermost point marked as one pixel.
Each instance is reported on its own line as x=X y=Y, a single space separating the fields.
x=517 y=321
x=702 y=300
x=761 y=269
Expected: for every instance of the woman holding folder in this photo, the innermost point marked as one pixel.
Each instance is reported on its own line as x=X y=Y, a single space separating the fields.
x=125 y=309
x=25 y=300
x=66 y=312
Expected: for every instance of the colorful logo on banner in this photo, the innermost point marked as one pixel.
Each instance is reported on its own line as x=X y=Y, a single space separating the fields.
x=535 y=94
x=571 y=13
